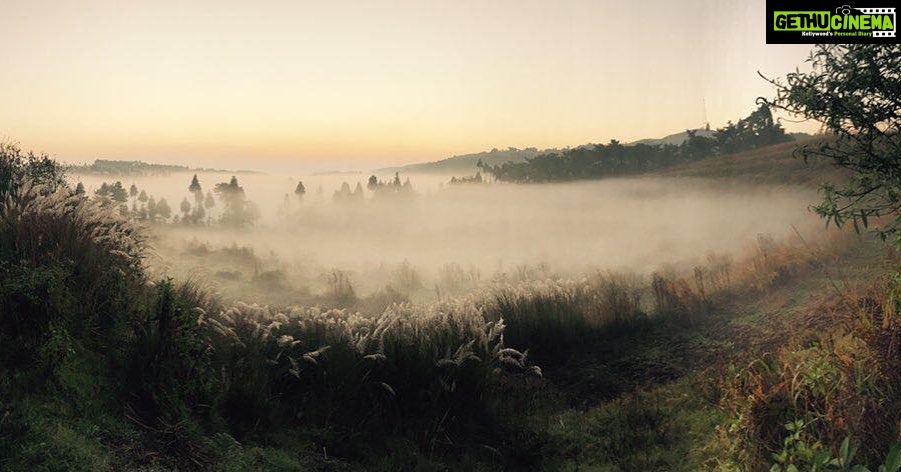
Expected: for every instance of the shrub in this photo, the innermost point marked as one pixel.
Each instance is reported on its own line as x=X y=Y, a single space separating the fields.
x=18 y=168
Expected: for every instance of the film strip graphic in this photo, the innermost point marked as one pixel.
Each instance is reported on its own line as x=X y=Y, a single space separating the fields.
x=882 y=11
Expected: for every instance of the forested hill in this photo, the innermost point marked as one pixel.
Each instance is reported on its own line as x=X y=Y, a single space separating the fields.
x=615 y=159
x=114 y=167
x=466 y=163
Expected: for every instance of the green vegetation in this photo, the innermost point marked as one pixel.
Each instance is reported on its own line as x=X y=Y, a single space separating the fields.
x=615 y=159
x=621 y=371
x=853 y=91
x=79 y=315
x=784 y=359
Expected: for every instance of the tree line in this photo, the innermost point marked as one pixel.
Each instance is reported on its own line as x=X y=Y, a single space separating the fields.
x=617 y=159
x=236 y=211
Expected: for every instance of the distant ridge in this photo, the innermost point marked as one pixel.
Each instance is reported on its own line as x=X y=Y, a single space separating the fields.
x=466 y=163
x=114 y=167
x=676 y=138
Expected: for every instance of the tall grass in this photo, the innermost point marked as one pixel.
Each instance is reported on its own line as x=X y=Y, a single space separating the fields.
x=65 y=262
x=836 y=380
x=77 y=312
x=560 y=319
x=335 y=368
x=77 y=309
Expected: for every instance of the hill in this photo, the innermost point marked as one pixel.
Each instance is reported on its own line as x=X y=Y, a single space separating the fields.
x=587 y=160
x=775 y=164
x=116 y=167
x=675 y=139
x=466 y=164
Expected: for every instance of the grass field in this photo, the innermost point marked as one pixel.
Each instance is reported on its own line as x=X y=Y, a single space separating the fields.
x=770 y=359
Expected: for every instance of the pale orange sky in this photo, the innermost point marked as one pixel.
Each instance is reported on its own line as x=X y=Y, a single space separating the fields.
x=346 y=84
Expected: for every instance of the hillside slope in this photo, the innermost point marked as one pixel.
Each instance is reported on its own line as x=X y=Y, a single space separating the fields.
x=776 y=164
x=466 y=164
x=655 y=400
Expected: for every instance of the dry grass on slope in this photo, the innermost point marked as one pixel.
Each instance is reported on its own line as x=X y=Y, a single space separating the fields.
x=776 y=164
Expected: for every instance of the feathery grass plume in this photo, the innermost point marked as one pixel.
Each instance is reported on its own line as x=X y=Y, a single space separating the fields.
x=342 y=369
x=65 y=260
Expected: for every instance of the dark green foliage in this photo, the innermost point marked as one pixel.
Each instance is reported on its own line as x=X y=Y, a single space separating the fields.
x=418 y=373
x=171 y=371
x=855 y=92
x=616 y=159
x=64 y=261
x=552 y=324
x=559 y=321
x=17 y=167
x=169 y=375
x=30 y=296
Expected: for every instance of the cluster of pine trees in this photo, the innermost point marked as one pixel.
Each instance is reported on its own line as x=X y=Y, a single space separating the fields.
x=236 y=210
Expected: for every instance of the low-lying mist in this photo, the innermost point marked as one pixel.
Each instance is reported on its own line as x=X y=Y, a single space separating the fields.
x=449 y=238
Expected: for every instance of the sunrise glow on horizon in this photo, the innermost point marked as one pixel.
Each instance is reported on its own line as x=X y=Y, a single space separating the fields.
x=365 y=84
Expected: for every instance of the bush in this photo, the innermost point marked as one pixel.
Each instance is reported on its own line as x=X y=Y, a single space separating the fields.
x=18 y=168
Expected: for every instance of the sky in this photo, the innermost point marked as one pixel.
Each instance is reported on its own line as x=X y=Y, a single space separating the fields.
x=360 y=84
